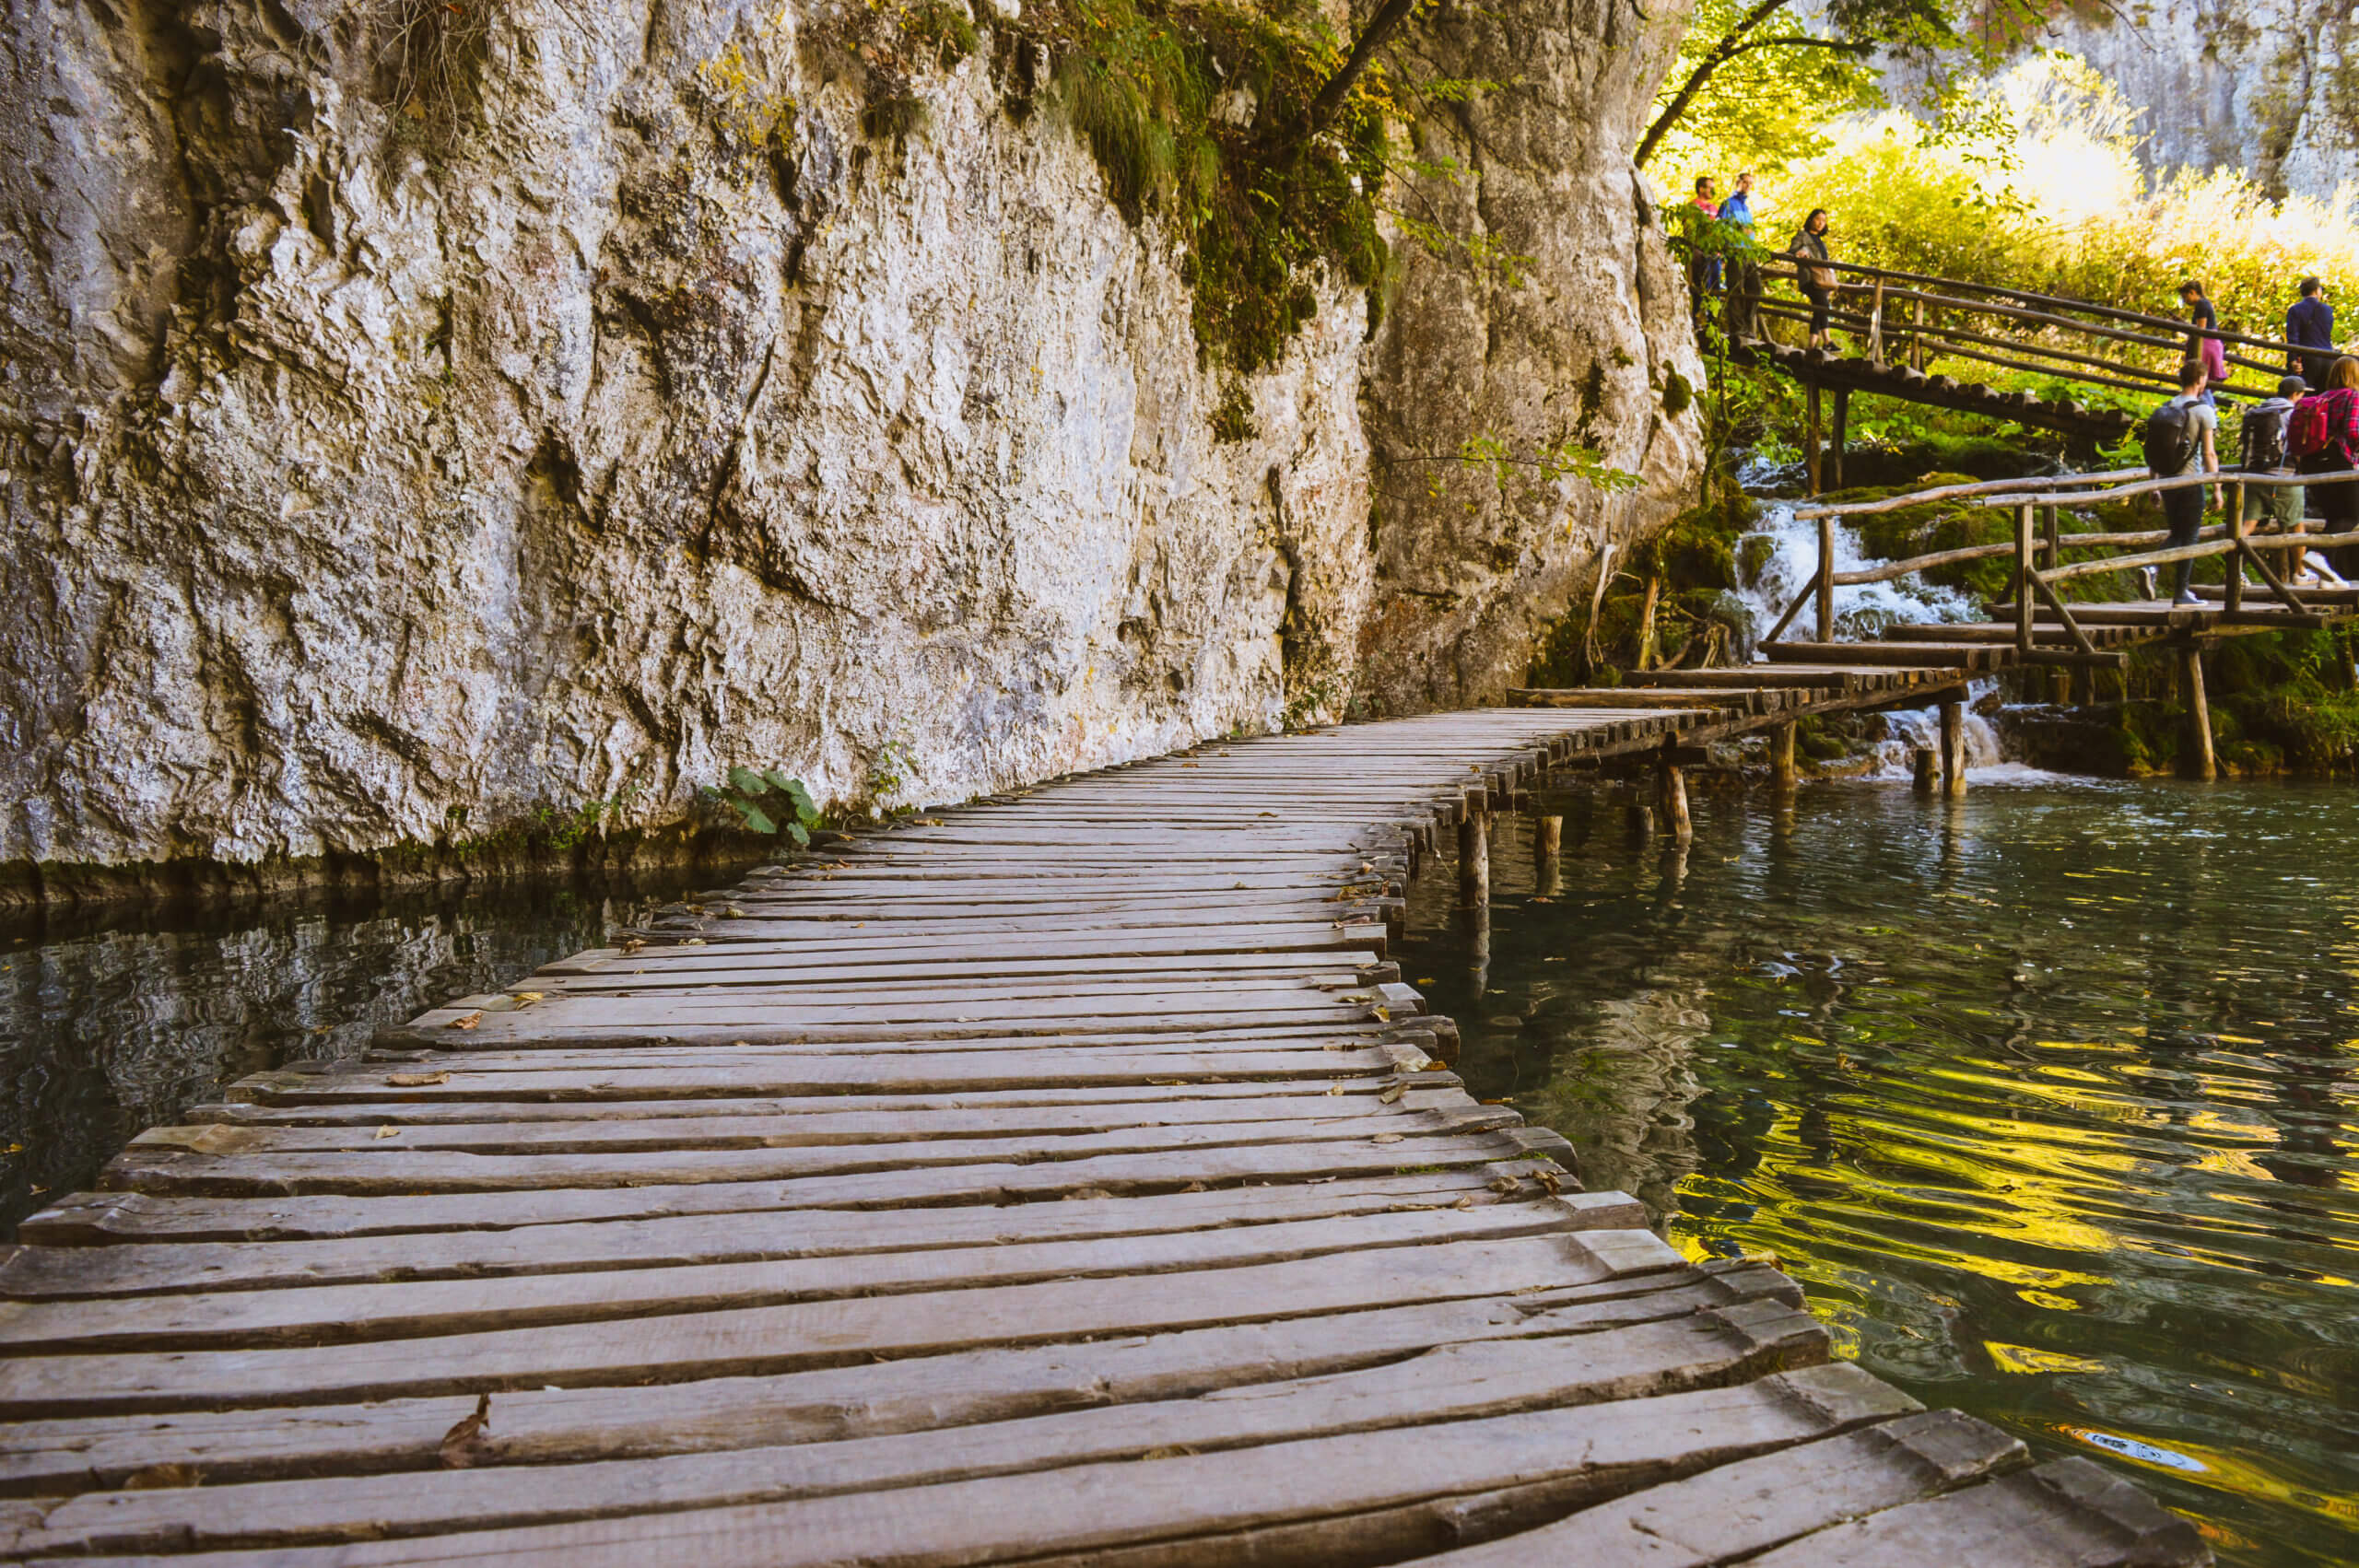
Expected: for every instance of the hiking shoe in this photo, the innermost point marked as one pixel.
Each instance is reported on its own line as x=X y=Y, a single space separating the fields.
x=2184 y=600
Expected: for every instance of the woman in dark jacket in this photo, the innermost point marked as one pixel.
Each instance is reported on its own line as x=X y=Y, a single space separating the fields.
x=1817 y=280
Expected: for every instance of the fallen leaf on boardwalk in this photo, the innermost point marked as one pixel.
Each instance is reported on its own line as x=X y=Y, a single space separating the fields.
x=1176 y=1451
x=1086 y=1193
x=1195 y=1186
x=929 y=822
x=389 y=1132
x=156 y=1478
x=1549 y=1180
x=1465 y=1202
x=1334 y=1088
x=1393 y=1094
x=1386 y=1137
x=693 y=941
x=633 y=943
x=465 y=1444
x=1504 y=1184
x=1425 y=981
x=734 y=913
x=526 y=998
x=1191 y=765
x=1383 y=1014
x=469 y=1022
x=416 y=1080
x=1435 y=1066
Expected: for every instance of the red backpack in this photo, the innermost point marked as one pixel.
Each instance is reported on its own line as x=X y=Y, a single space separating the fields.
x=2306 y=427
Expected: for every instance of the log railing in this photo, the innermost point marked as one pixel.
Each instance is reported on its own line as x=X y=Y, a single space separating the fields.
x=1908 y=318
x=2039 y=543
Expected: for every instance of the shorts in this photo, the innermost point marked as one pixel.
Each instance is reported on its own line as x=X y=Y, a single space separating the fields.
x=2281 y=504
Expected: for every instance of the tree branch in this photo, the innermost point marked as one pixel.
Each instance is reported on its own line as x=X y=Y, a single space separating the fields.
x=1730 y=46
x=1389 y=19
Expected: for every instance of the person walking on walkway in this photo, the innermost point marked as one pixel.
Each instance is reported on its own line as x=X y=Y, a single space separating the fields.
x=2323 y=435
x=1745 y=271
x=1810 y=271
x=2309 y=323
x=2179 y=435
x=2262 y=447
x=1738 y=208
x=1704 y=264
x=2203 y=344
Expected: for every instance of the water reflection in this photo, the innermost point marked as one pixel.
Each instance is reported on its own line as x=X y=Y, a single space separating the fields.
x=118 y=1023
x=2049 y=1095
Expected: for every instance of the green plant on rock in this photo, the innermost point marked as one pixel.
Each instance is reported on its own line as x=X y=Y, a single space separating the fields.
x=767 y=800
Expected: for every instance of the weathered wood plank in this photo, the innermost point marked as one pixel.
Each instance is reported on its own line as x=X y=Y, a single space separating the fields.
x=1456 y=1381
x=545 y=1425
x=734 y=1342
x=1386 y=1489
x=1750 y=1506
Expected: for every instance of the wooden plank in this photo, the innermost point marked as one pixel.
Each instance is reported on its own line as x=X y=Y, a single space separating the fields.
x=2066 y=1514
x=545 y=1425
x=1360 y=1492
x=731 y=1342
x=33 y=1274
x=1450 y=1382
x=410 y=1308
x=1736 y=1510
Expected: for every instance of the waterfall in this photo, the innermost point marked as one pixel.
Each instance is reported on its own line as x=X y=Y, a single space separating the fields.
x=1775 y=559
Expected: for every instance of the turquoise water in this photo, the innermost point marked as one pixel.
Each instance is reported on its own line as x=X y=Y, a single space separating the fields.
x=2049 y=1097
x=115 y=1021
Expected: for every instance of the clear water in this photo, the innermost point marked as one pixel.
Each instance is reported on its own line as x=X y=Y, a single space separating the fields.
x=121 y=1021
x=2049 y=1097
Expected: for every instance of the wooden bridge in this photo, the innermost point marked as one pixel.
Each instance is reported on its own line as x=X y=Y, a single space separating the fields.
x=1915 y=335
x=1066 y=1179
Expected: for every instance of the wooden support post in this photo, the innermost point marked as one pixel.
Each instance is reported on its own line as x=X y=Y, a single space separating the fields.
x=1474 y=858
x=1921 y=767
x=1672 y=789
x=1826 y=580
x=2084 y=686
x=2233 y=561
x=1917 y=339
x=1953 y=747
x=1547 y=852
x=1781 y=757
x=2024 y=620
x=2055 y=554
x=2195 y=751
x=1835 y=438
x=1810 y=439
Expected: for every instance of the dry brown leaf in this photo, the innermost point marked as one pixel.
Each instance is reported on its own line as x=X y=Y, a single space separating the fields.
x=1465 y=1202
x=1549 y=1179
x=1393 y=1094
x=1334 y=1088
x=416 y=1079
x=1435 y=1065
x=734 y=913
x=526 y=998
x=633 y=943
x=465 y=1444
x=1195 y=1186
x=1504 y=1184
x=158 y=1477
x=469 y=1022
x=389 y=1132
x=1383 y=1014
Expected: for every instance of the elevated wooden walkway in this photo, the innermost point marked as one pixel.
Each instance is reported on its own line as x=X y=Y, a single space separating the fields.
x=1066 y=1179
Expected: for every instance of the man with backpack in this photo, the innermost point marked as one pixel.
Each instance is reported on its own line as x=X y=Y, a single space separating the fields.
x=2323 y=435
x=2263 y=446
x=2178 y=435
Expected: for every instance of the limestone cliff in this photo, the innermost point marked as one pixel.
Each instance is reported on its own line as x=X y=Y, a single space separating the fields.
x=379 y=474
x=2269 y=89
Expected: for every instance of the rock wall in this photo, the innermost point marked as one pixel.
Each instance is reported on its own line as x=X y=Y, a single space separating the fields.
x=2267 y=87
x=377 y=482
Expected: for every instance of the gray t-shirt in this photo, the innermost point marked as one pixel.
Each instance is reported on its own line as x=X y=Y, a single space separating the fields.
x=2204 y=420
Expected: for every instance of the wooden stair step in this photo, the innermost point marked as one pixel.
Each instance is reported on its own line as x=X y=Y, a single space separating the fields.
x=1963 y=655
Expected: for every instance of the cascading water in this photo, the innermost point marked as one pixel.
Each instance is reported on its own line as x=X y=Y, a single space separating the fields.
x=1777 y=558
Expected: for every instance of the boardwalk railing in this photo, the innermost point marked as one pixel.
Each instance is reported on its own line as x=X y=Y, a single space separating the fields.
x=1906 y=319
x=2040 y=544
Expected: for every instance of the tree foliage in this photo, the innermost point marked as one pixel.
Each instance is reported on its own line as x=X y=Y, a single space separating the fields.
x=1759 y=79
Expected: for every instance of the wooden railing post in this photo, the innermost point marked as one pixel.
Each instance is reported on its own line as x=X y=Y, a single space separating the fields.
x=1875 y=326
x=2055 y=540
x=2234 y=559
x=1917 y=338
x=2024 y=570
x=1826 y=580
x=1810 y=439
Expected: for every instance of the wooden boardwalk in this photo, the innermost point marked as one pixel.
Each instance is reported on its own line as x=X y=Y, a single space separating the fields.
x=1066 y=1179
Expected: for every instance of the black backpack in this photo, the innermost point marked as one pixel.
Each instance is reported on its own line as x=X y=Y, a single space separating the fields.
x=2263 y=439
x=2170 y=440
